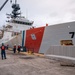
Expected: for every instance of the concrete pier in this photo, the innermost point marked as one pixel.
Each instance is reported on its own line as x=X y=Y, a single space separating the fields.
x=21 y=64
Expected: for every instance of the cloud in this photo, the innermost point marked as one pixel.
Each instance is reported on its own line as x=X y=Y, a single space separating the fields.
x=44 y=11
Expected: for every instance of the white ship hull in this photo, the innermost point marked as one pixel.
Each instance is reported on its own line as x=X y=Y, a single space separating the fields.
x=49 y=36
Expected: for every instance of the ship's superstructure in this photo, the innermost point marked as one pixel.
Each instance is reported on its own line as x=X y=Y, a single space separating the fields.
x=18 y=22
x=15 y=24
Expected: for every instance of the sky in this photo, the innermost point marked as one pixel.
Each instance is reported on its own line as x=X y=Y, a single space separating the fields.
x=42 y=12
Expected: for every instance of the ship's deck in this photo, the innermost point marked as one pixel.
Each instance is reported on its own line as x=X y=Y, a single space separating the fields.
x=21 y=64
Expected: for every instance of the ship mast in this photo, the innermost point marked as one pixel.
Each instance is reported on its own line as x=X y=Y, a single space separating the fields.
x=15 y=1
x=15 y=11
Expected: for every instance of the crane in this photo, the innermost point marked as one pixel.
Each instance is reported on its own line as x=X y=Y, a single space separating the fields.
x=4 y=4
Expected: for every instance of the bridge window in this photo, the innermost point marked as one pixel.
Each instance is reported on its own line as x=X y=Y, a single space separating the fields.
x=24 y=23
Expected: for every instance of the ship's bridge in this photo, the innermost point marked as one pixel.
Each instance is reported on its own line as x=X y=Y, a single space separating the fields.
x=21 y=20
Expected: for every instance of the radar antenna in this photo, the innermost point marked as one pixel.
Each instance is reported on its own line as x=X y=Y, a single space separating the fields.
x=15 y=10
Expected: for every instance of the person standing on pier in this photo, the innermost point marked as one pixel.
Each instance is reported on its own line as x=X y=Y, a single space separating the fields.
x=18 y=48
x=14 y=49
x=3 y=53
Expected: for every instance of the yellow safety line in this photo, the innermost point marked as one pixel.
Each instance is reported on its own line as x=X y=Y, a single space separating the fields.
x=29 y=53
